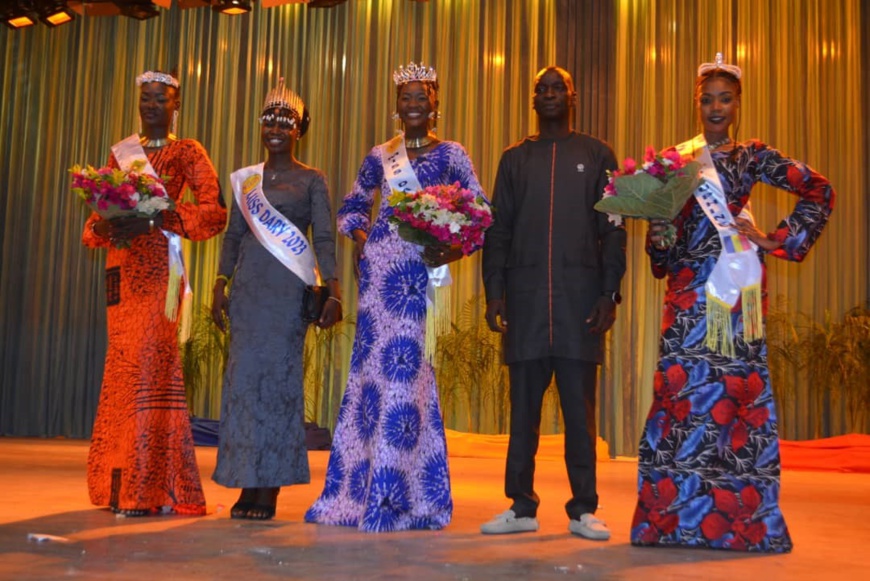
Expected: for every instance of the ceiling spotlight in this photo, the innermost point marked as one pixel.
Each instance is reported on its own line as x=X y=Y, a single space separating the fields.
x=138 y=9
x=232 y=7
x=54 y=13
x=17 y=15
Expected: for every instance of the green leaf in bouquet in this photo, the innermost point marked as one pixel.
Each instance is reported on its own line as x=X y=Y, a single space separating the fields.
x=410 y=234
x=643 y=196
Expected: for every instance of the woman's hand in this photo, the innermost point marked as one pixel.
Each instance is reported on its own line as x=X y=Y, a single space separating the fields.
x=441 y=254
x=359 y=242
x=748 y=228
x=220 y=305
x=331 y=313
x=102 y=228
x=660 y=233
x=120 y=231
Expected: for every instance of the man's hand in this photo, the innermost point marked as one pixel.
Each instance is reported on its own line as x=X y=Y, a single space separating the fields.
x=495 y=312
x=602 y=316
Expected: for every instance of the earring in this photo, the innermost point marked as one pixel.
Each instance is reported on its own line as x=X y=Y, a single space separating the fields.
x=395 y=115
x=431 y=114
x=174 y=122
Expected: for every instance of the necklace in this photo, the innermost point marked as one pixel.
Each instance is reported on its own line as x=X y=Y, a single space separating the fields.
x=146 y=142
x=274 y=174
x=717 y=144
x=419 y=142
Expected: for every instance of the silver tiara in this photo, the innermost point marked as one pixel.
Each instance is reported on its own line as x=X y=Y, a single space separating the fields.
x=156 y=77
x=413 y=73
x=719 y=64
x=284 y=98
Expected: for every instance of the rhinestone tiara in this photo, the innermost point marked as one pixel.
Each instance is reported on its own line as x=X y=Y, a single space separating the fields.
x=284 y=98
x=156 y=77
x=413 y=73
x=719 y=63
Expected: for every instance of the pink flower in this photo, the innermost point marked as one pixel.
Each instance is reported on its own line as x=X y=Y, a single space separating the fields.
x=649 y=153
x=630 y=165
x=656 y=170
x=673 y=155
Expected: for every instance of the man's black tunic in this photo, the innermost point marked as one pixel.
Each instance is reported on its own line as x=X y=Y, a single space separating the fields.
x=549 y=254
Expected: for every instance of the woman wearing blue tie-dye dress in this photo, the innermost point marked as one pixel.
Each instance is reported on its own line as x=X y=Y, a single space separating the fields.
x=388 y=465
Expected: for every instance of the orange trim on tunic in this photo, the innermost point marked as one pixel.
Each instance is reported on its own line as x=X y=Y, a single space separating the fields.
x=142 y=454
x=550 y=245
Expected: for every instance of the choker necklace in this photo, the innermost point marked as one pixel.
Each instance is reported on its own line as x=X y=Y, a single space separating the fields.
x=419 y=142
x=144 y=141
x=718 y=144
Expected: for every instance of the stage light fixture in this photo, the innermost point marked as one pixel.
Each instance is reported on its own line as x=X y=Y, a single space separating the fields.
x=232 y=7
x=54 y=13
x=325 y=3
x=273 y=3
x=138 y=9
x=17 y=15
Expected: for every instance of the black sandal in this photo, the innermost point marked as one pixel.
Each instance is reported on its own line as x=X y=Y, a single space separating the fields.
x=265 y=505
x=245 y=503
x=131 y=511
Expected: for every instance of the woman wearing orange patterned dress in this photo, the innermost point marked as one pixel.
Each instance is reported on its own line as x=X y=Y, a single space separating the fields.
x=142 y=459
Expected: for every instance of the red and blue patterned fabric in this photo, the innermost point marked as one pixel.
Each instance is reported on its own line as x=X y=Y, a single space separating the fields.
x=709 y=465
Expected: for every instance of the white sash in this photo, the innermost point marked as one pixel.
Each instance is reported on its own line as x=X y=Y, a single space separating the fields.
x=401 y=177
x=274 y=231
x=737 y=273
x=126 y=152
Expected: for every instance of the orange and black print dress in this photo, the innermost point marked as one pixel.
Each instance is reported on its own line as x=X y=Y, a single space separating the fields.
x=142 y=455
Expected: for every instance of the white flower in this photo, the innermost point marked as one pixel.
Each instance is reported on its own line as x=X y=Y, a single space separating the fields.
x=152 y=205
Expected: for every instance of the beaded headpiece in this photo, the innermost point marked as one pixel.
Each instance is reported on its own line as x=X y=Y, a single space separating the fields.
x=283 y=98
x=719 y=63
x=157 y=77
x=413 y=73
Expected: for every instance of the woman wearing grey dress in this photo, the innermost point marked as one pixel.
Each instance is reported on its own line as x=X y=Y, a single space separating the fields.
x=262 y=433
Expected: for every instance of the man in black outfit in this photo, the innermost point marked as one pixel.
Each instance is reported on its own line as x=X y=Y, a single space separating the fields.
x=552 y=267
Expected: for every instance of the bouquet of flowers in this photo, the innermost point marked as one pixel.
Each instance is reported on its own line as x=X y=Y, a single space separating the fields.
x=112 y=192
x=657 y=189
x=444 y=214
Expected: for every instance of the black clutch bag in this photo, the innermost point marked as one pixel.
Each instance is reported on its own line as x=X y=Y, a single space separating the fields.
x=313 y=300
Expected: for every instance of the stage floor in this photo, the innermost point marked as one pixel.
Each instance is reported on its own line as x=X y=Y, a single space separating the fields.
x=44 y=492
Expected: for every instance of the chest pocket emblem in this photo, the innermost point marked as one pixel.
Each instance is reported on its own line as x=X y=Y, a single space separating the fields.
x=581 y=168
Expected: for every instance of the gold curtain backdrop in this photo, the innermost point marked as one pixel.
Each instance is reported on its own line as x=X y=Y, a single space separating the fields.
x=69 y=93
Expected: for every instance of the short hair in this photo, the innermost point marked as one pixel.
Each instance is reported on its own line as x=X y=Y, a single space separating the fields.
x=566 y=76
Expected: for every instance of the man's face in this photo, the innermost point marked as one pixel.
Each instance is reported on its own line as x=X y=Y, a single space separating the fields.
x=554 y=95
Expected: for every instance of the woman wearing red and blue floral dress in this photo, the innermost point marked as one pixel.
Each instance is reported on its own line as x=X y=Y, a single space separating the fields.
x=709 y=465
